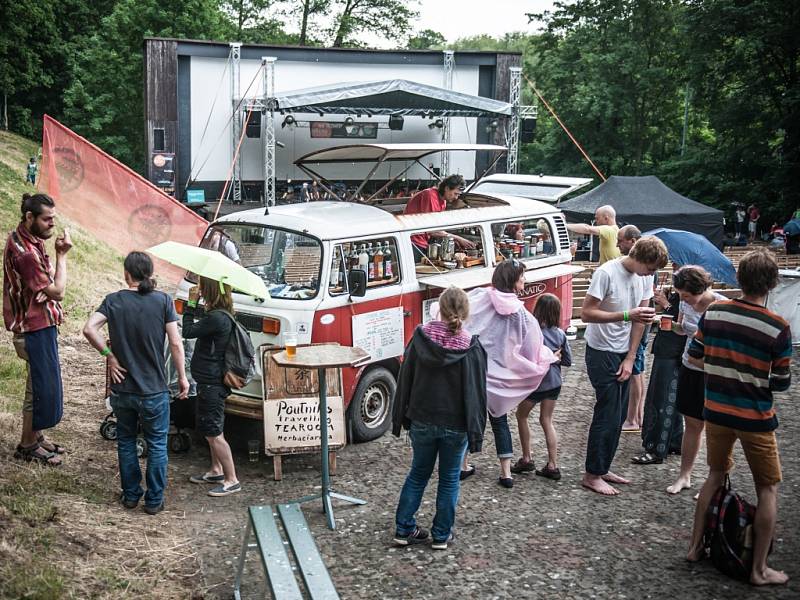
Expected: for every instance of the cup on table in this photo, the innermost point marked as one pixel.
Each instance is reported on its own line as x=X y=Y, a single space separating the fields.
x=253 y=447
x=666 y=322
x=290 y=341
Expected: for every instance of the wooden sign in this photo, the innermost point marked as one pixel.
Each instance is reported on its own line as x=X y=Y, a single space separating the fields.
x=291 y=409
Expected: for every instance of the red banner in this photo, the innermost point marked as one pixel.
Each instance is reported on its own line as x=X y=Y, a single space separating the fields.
x=111 y=201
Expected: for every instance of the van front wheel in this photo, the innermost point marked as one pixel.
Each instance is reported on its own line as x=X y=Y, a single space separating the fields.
x=370 y=412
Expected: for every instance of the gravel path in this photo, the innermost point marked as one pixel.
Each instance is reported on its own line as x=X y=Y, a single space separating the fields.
x=542 y=539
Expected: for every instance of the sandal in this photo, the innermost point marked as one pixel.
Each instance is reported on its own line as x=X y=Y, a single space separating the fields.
x=647 y=459
x=56 y=449
x=554 y=474
x=29 y=453
x=523 y=466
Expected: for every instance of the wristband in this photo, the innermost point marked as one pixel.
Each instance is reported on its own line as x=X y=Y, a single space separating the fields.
x=626 y=316
x=105 y=351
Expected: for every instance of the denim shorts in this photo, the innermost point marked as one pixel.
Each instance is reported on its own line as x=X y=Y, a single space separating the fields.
x=211 y=409
x=639 y=362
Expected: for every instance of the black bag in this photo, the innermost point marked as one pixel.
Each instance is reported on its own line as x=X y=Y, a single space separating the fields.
x=729 y=532
x=240 y=364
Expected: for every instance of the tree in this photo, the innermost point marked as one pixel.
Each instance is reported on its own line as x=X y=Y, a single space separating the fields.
x=306 y=10
x=245 y=14
x=426 y=39
x=391 y=18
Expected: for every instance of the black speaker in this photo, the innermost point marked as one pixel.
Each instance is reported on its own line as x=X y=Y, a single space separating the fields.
x=527 y=131
x=254 y=124
x=396 y=122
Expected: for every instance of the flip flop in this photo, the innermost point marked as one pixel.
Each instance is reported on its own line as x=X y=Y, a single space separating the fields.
x=647 y=459
x=631 y=430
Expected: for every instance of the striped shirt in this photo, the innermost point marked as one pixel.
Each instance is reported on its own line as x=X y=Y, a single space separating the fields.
x=26 y=272
x=746 y=351
x=441 y=335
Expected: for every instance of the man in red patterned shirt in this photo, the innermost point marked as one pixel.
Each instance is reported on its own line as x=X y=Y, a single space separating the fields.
x=32 y=290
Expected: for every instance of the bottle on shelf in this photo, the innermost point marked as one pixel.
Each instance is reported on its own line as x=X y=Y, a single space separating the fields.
x=388 y=268
x=377 y=260
x=363 y=258
x=336 y=269
x=370 y=263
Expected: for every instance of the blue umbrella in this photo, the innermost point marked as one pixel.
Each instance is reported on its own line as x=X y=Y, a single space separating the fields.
x=792 y=227
x=686 y=248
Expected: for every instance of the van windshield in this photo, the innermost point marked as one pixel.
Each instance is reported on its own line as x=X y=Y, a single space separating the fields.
x=288 y=262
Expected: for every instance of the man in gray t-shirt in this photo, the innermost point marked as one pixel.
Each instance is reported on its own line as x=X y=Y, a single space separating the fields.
x=616 y=309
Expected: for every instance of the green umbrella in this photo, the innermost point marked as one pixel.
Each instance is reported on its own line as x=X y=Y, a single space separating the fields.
x=211 y=265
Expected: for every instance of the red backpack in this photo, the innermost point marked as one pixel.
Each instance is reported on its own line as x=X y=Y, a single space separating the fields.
x=729 y=532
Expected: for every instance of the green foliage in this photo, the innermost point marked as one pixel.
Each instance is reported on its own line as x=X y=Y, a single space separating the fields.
x=390 y=18
x=425 y=40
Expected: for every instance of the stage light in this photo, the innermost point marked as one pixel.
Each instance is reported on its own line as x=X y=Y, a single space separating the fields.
x=289 y=121
x=349 y=124
x=437 y=124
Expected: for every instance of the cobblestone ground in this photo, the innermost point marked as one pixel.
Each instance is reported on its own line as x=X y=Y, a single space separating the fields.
x=541 y=539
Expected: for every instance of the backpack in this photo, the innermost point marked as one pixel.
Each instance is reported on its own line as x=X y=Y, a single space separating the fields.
x=240 y=364
x=729 y=532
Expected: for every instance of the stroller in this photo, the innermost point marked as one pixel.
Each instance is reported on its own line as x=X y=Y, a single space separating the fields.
x=181 y=413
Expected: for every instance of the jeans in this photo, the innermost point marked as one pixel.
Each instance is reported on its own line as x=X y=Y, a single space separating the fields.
x=610 y=409
x=428 y=442
x=502 y=436
x=152 y=412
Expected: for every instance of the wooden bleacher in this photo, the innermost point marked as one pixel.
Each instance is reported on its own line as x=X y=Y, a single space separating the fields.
x=580 y=282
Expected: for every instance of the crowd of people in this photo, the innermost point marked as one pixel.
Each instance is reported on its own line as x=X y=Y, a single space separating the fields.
x=483 y=355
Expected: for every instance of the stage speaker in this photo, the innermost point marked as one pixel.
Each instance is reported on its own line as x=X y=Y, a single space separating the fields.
x=254 y=124
x=396 y=122
x=527 y=131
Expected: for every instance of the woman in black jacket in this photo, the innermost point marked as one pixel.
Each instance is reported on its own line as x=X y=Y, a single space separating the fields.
x=441 y=399
x=213 y=331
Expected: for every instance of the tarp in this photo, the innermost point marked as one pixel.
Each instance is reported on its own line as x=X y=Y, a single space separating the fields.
x=649 y=204
x=784 y=300
x=390 y=97
x=109 y=200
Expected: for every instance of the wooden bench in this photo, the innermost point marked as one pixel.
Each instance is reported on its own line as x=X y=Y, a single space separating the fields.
x=280 y=572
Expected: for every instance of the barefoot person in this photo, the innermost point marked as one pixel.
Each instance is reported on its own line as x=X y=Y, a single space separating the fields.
x=548 y=313
x=139 y=318
x=734 y=338
x=616 y=309
x=212 y=328
x=32 y=292
x=693 y=285
x=518 y=357
x=441 y=400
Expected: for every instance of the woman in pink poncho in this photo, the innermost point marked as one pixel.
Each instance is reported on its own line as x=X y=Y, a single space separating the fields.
x=517 y=356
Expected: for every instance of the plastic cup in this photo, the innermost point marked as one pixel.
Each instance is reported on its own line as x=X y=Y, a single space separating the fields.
x=290 y=341
x=666 y=322
x=253 y=447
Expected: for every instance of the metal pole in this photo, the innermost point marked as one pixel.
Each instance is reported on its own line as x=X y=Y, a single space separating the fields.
x=515 y=84
x=268 y=123
x=236 y=122
x=327 y=508
x=449 y=63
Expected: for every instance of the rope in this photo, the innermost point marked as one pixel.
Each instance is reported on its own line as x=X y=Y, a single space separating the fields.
x=564 y=127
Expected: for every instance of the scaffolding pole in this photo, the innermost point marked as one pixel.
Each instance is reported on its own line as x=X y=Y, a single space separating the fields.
x=512 y=142
x=236 y=122
x=449 y=63
x=268 y=125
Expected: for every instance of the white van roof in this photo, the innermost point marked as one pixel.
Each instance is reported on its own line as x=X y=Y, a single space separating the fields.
x=329 y=220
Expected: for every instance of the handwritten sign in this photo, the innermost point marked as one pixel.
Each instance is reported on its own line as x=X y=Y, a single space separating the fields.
x=380 y=333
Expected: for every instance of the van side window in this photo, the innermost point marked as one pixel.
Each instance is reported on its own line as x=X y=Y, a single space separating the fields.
x=461 y=248
x=377 y=256
x=531 y=238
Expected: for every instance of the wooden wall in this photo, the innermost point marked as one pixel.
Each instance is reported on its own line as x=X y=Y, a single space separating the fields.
x=160 y=99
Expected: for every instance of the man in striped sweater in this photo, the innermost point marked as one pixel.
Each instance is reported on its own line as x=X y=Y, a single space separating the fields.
x=745 y=351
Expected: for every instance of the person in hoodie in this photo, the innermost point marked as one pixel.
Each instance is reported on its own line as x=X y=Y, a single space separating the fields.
x=441 y=400
x=518 y=357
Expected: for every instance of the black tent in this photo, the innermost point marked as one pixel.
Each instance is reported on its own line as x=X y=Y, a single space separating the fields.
x=647 y=203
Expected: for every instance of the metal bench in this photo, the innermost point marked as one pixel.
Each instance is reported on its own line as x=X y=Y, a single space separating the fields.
x=262 y=523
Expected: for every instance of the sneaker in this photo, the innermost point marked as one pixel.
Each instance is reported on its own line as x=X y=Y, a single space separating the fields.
x=225 y=491
x=154 y=510
x=523 y=466
x=206 y=478
x=129 y=504
x=442 y=544
x=418 y=536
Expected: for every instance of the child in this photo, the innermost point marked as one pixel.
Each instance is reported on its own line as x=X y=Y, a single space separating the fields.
x=548 y=312
x=441 y=400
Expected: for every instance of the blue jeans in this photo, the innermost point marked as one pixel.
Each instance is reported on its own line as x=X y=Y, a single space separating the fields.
x=153 y=414
x=428 y=442
x=502 y=436
x=610 y=409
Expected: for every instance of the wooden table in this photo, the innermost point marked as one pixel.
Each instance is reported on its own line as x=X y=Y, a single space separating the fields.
x=323 y=357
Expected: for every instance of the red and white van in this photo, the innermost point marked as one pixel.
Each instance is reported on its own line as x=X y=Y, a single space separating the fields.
x=305 y=253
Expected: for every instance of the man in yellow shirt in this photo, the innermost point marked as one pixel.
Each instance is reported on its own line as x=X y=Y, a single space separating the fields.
x=605 y=228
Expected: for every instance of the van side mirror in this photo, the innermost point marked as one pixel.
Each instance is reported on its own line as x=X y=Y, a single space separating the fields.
x=357 y=282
